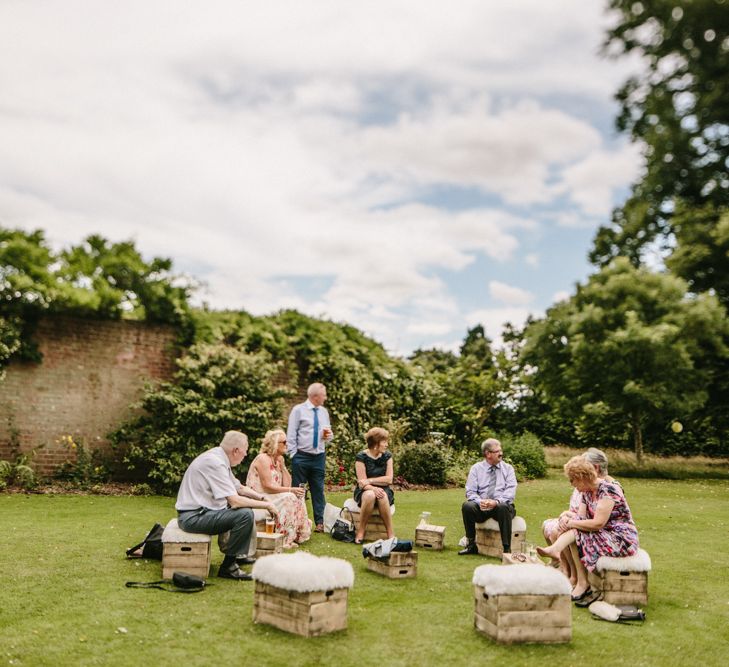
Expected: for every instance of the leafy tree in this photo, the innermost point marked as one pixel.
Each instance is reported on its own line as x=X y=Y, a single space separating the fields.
x=678 y=108
x=95 y=278
x=627 y=348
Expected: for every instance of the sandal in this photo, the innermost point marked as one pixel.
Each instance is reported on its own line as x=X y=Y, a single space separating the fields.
x=582 y=596
x=586 y=601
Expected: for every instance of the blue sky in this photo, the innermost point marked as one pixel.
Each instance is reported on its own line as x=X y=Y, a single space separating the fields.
x=412 y=168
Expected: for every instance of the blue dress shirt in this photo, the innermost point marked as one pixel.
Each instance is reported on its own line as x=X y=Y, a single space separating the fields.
x=300 y=432
x=478 y=482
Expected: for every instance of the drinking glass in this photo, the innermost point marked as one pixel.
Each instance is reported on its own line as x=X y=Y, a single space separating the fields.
x=270 y=526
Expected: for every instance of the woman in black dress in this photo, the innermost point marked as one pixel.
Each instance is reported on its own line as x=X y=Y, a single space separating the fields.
x=373 y=467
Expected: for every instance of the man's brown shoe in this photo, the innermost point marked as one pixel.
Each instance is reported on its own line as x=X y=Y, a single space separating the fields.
x=319 y=528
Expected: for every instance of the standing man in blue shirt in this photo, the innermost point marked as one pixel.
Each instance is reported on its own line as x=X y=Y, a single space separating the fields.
x=307 y=435
x=490 y=493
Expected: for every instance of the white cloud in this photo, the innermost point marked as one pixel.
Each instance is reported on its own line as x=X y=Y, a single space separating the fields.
x=593 y=181
x=293 y=154
x=508 y=294
x=494 y=319
x=562 y=295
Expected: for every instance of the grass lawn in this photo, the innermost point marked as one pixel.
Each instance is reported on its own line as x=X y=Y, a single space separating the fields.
x=63 y=598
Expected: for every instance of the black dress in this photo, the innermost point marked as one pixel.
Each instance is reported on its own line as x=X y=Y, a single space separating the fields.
x=374 y=468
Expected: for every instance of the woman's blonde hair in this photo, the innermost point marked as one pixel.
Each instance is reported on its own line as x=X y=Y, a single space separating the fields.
x=375 y=436
x=271 y=440
x=579 y=468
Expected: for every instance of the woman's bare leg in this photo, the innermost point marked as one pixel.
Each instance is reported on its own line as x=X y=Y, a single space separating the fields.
x=383 y=504
x=365 y=511
x=560 y=544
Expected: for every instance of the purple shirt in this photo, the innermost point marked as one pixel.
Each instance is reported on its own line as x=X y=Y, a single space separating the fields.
x=478 y=481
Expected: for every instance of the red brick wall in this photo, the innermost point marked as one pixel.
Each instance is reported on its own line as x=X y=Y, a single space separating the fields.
x=91 y=372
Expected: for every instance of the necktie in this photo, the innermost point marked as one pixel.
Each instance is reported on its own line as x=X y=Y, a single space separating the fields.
x=316 y=428
x=492 y=482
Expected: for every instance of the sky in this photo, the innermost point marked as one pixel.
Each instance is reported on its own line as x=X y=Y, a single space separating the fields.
x=410 y=167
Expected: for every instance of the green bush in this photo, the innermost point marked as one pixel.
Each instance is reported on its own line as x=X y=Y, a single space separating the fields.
x=422 y=464
x=526 y=453
x=216 y=389
x=18 y=473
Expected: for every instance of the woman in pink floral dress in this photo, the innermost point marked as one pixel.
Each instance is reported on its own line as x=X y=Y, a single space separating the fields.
x=553 y=528
x=604 y=525
x=268 y=475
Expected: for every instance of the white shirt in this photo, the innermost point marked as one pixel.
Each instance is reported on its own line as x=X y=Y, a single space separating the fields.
x=208 y=481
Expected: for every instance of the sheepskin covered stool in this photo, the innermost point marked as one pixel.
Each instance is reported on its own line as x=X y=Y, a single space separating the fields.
x=375 y=529
x=488 y=537
x=268 y=544
x=302 y=593
x=529 y=603
x=623 y=580
x=184 y=552
x=430 y=537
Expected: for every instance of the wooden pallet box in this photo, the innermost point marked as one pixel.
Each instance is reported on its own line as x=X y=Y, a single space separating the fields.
x=375 y=529
x=184 y=552
x=623 y=580
x=399 y=565
x=506 y=611
x=488 y=537
x=268 y=544
x=301 y=593
x=430 y=537
x=308 y=614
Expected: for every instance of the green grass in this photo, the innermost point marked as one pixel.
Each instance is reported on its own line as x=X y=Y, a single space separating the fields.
x=624 y=464
x=63 y=596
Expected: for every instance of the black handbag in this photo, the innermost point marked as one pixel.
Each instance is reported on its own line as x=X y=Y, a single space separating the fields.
x=343 y=530
x=182 y=582
x=150 y=546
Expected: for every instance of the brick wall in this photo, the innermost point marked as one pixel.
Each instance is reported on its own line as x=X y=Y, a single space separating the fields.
x=91 y=372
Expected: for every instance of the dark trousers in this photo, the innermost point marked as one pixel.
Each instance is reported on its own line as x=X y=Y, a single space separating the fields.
x=503 y=513
x=310 y=468
x=239 y=521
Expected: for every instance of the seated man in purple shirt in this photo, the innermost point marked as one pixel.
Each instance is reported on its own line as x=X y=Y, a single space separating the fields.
x=490 y=493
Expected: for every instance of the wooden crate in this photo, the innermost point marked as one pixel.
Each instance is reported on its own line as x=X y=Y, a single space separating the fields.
x=511 y=619
x=399 y=565
x=306 y=614
x=430 y=537
x=375 y=529
x=488 y=541
x=268 y=543
x=190 y=557
x=622 y=587
x=518 y=558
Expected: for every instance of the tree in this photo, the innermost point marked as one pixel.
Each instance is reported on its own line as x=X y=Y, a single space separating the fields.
x=677 y=107
x=96 y=278
x=627 y=347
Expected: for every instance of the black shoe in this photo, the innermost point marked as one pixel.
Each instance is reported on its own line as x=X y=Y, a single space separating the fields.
x=245 y=560
x=469 y=550
x=234 y=572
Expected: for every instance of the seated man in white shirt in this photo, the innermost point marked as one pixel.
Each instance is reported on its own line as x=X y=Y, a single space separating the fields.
x=212 y=501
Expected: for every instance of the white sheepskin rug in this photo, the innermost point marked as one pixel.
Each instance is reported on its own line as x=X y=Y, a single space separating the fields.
x=521 y=580
x=352 y=506
x=518 y=525
x=640 y=562
x=303 y=572
x=173 y=533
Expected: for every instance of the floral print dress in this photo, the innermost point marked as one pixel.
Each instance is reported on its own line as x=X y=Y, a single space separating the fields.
x=293 y=522
x=617 y=538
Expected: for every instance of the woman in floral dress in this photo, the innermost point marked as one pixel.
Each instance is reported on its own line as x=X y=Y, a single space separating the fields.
x=604 y=525
x=553 y=528
x=268 y=475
